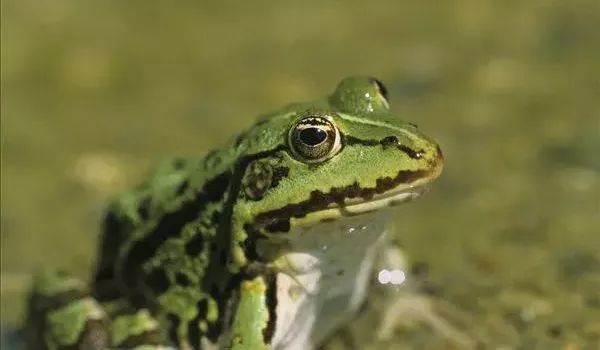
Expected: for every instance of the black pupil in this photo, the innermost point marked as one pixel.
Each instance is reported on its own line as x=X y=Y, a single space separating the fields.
x=312 y=136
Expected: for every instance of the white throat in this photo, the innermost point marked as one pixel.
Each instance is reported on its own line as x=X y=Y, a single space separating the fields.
x=330 y=267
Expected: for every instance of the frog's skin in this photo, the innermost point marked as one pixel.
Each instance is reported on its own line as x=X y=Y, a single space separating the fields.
x=266 y=243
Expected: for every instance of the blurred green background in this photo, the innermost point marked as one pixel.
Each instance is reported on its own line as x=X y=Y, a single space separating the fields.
x=93 y=93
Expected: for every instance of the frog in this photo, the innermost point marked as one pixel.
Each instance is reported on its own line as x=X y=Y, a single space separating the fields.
x=269 y=242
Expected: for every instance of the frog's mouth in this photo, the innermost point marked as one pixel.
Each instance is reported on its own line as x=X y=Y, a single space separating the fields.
x=388 y=199
x=348 y=201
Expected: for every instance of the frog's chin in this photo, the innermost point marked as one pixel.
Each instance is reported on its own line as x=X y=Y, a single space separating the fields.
x=388 y=199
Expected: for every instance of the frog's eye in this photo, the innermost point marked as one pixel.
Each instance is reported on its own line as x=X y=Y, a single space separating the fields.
x=314 y=139
x=361 y=95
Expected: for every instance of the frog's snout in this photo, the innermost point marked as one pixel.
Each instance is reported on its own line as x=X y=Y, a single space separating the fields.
x=436 y=161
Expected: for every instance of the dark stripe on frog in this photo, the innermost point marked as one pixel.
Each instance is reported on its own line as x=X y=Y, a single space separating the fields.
x=216 y=270
x=144 y=208
x=277 y=220
x=271 y=300
x=197 y=244
x=389 y=141
x=182 y=187
x=158 y=281
x=170 y=225
x=194 y=333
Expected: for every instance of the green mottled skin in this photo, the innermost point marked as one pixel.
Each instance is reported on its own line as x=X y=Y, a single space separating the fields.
x=188 y=258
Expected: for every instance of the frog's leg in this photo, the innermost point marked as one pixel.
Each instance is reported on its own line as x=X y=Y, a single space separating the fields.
x=251 y=326
x=62 y=315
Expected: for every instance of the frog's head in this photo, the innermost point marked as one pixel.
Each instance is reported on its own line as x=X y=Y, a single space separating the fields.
x=321 y=161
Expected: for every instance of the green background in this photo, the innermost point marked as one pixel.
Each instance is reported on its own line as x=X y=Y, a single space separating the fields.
x=93 y=93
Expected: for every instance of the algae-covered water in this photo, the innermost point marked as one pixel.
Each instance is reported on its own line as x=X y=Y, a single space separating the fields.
x=506 y=246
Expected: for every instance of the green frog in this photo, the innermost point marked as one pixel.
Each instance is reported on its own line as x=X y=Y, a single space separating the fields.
x=267 y=243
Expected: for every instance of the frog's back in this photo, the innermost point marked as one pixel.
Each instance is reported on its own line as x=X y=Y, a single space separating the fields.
x=160 y=234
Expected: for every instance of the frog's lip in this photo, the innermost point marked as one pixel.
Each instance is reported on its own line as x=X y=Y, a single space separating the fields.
x=391 y=198
x=400 y=194
x=321 y=207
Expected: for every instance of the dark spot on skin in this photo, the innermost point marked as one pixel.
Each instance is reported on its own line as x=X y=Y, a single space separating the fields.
x=202 y=307
x=215 y=292
x=279 y=225
x=215 y=218
x=182 y=187
x=158 y=281
x=212 y=160
x=137 y=299
x=182 y=280
x=257 y=179
x=170 y=225
x=389 y=141
x=194 y=333
x=249 y=246
x=278 y=174
x=271 y=301
x=195 y=245
x=144 y=208
x=239 y=139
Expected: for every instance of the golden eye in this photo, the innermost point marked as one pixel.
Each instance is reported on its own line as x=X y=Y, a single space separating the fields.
x=314 y=139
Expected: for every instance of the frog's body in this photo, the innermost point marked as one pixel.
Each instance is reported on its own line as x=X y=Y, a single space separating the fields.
x=267 y=243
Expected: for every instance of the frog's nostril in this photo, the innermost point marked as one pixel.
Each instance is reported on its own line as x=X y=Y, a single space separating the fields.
x=392 y=141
